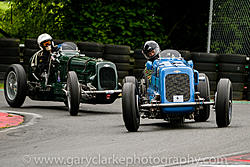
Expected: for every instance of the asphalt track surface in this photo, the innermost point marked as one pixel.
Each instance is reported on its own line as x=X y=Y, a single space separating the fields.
x=97 y=137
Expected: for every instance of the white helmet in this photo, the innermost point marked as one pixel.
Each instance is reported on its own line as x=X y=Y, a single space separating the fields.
x=44 y=38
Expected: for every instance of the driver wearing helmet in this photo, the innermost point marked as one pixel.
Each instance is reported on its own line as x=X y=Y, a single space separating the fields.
x=151 y=52
x=40 y=60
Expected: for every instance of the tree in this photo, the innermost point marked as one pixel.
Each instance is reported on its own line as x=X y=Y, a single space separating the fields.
x=129 y=22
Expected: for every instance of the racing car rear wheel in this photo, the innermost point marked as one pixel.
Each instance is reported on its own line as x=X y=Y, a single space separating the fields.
x=15 y=85
x=204 y=90
x=73 y=95
x=223 y=103
x=130 y=109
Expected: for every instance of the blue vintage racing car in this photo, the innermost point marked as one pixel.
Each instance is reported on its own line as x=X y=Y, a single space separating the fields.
x=174 y=92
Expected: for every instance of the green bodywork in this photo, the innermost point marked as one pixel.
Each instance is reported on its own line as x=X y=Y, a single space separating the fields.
x=87 y=70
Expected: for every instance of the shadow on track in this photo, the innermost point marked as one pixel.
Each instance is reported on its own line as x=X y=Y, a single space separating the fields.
x=64 y=108
x=167 y=126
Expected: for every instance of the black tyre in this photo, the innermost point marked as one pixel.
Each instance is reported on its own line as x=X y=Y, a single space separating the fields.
x=138 y=54
x=118 y=58
x=213 y=85
x=212 y=76
x=4 y=67
x=31 y=44
x=185 y=54
x=248 y=96
x=93 y=54
x=26 y=60
x=212 y=94
x=15 y=85
x=228 y=67
x=233 y=58
x=237 y=95
x=9 y=60
x=90 y=46
x=234 y=77
x=29 y=52
x=123 y=66
x=205 y=66
x=204 y=90
x=223 y=103
x=130 y=110
x=204 y=57
x=138 y=73
x=117 y=49
x=2 y=74
x=59 y=41
x=122 y=74
x=9 y=42
x=9 y=51
x=248 y=86
x=140 y=63
x=73 y=90
x=238 y=87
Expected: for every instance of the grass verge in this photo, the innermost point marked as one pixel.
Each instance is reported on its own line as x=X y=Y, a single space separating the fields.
x=1 y=85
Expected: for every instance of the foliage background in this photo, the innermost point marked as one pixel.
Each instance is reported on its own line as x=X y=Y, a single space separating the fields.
x=173 y=24
x=231 y=27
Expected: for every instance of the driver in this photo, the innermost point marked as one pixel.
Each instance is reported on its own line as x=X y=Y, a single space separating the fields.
x=151 y=51
x=40 y=60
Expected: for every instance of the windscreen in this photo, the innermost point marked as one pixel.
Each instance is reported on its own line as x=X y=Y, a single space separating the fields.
x=68 y=46
x=169 y=54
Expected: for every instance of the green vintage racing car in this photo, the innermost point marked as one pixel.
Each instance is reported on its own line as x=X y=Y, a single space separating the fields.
x=71 y=78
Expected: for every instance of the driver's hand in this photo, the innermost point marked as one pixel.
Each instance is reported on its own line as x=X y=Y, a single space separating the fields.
x=54 y=58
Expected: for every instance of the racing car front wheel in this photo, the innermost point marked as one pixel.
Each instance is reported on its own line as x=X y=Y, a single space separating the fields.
x=73 y=95
x=204 y=90
x=131 y=79
x=130 y=109
x=15 y=85
x=223 y=103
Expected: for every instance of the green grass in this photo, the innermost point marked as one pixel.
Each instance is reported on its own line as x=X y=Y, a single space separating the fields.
x=1 y=85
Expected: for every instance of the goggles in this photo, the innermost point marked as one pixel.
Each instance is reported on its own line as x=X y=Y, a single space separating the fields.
x=46 y=43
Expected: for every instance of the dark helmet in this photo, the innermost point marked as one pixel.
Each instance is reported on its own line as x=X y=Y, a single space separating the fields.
x=150 y=50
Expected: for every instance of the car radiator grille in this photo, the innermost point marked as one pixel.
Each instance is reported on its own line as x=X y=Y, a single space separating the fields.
x=177 y=85
x=107 y=78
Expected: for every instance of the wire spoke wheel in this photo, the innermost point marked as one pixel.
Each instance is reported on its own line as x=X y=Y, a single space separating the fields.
x=15 y=87
x=11 y=85
x=68 y=98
